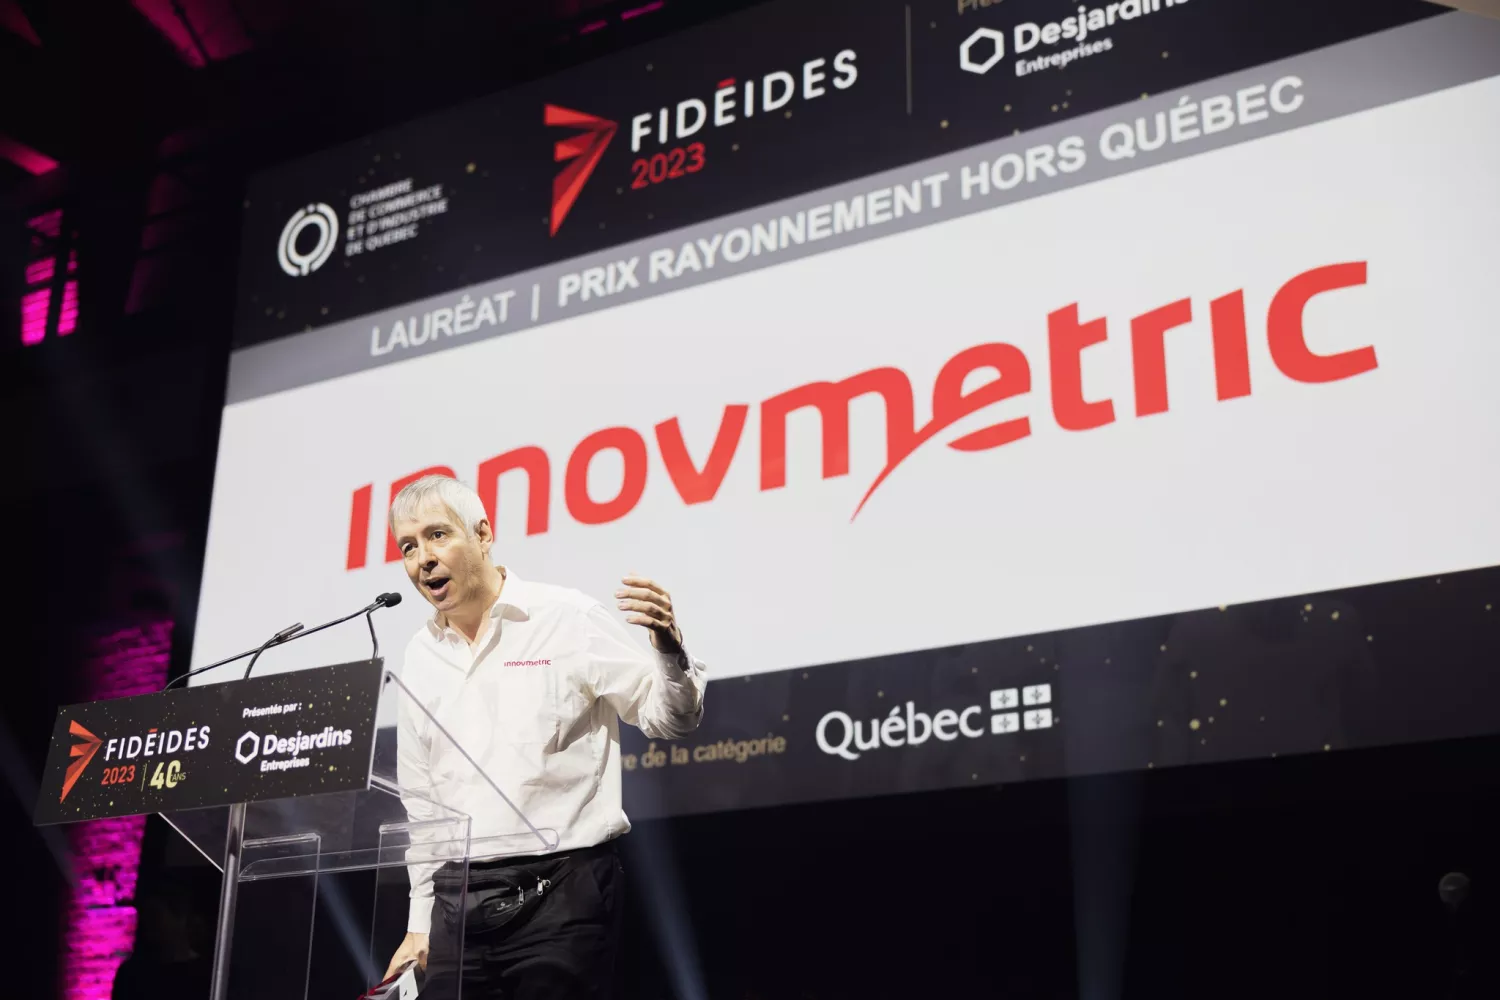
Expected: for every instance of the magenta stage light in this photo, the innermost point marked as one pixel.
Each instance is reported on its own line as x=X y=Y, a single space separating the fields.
x=99 y=914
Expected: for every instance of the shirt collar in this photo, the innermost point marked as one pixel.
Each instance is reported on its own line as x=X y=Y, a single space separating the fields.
x=513 y=604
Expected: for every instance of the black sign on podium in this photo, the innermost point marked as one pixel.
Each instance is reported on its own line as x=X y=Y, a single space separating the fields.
x=278 y=782
x=307 y=732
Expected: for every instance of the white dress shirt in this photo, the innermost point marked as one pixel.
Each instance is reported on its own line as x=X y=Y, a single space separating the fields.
x=536 y=704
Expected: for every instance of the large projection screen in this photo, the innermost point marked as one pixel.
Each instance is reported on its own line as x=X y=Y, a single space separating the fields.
x=1001 y=404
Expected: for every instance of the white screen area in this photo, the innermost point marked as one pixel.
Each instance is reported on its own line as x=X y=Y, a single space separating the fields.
x=1296 y=487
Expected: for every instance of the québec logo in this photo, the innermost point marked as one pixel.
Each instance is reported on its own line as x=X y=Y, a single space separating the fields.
x=82 y=752
x=300 y=264
x=584 y=149
x=842 y=736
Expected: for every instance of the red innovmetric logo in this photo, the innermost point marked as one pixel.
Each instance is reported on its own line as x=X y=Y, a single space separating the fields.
x=584 y=150
x=955 y=397
x=84 y=752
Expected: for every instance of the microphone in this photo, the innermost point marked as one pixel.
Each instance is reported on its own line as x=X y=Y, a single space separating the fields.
x=291 y=632
x=386 y=600
x=1453 y=889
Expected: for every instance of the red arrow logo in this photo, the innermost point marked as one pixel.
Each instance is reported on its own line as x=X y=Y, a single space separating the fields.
x=83 y=751
x=584 y=149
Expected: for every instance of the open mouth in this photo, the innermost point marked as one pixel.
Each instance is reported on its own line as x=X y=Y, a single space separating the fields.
x=437 y=587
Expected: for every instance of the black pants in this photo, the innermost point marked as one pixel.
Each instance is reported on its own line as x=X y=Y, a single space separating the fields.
x=523 y=944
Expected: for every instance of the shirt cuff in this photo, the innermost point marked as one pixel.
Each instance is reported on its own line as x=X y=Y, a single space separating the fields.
x=684 y=675
x=675 y=663
x=419 y=918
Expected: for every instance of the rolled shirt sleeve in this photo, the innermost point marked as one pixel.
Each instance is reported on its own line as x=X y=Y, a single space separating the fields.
x=662 y=694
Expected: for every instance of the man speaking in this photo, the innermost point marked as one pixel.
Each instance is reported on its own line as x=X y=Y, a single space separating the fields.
x=531 y=680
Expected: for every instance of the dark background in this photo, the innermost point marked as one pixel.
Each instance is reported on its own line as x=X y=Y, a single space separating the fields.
x=1310 y=875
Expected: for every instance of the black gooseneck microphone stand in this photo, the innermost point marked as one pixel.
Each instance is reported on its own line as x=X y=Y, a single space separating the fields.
x=297 y=632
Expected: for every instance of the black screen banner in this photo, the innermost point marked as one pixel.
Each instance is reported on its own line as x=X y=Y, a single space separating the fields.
x=1385 y=664
x=773 y=102
x=306 y=732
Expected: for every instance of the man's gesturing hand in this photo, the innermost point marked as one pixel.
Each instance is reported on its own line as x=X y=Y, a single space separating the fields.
x=651 y=606
x=414 y=947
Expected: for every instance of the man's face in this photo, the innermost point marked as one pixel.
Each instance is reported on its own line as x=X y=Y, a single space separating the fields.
x=449 y=566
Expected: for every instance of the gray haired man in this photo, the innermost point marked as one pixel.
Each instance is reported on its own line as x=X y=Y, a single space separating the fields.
x=531 y=679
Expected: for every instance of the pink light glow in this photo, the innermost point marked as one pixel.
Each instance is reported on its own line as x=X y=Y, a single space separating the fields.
x=39 y=271
x=214 y=22
x=100 y=927
x=592 y=26
x=67 y=317
x=28 y=159
x=100 y=915
x=34 y=316
x=13 y=18
x=36 y=304
x=47 y=224
x=638 y=11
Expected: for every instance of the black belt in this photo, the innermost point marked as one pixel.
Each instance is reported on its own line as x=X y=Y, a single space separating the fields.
x=499 y=889
x=453 y=869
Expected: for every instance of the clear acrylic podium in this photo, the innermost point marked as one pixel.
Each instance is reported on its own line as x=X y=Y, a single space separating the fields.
x=296 y=871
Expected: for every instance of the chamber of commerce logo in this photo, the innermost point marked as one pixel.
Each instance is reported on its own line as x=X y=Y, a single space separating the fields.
x=82 y=753
x=584 y=149
x=294 y=261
